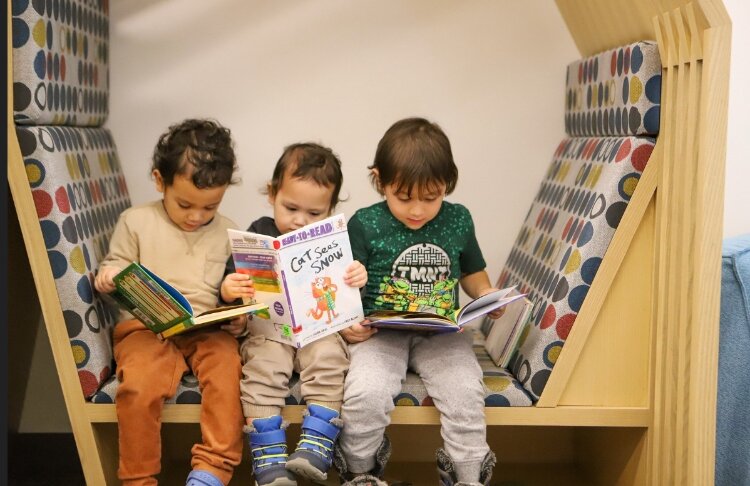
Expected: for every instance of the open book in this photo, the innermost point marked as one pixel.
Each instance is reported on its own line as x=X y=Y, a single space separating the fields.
x=429 y=321
x=506 y=333
x=162 y=308
x=300 y=276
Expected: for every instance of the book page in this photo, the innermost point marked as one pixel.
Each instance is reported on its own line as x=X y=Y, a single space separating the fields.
x=486 y=304
x=213 y=316
x=257 y=256
x=314 y=262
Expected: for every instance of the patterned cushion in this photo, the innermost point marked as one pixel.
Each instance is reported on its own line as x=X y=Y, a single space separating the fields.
x=501 y=389
x=79 y=192
x=60 y=62
x=615 y=93
x=563 y=240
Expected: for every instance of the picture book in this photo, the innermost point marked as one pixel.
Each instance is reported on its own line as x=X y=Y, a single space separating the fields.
x=300 y=276
x=506 y=333
x=162 y=308
x=419 y=320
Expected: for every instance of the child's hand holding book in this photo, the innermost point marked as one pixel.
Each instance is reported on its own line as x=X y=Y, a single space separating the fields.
x=497 y=313
x=237 y=286
x=358 y=332
x=105 y=279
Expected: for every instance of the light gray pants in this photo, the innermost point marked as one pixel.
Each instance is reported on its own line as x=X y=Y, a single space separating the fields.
x=450 y=372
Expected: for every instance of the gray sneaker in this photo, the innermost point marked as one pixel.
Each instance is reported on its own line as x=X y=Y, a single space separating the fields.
x=365 y=480
x=447 y=471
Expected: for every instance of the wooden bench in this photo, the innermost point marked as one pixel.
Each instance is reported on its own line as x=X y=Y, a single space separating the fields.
x=631 y=398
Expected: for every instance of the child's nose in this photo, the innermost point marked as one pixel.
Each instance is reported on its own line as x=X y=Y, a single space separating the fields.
x=195 y=216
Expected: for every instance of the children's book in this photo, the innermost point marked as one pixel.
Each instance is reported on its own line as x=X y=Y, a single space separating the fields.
x=162 y=308
x=506 y=332
x=453 y=322
x=300 y=276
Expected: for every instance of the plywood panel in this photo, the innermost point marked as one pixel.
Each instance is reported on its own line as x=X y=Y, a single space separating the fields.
x=613 y=368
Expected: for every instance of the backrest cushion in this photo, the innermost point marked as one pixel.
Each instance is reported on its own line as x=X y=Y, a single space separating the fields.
x=79 y=192
x=614 y=93
x=562 y=241
x=60 y=62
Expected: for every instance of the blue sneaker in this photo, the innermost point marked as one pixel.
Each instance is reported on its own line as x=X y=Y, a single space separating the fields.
x=314 y=454
x=267 y=439
x=202 y=478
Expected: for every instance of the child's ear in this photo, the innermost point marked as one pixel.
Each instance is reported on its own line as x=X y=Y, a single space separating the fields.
x=271 y=194
x=159 y=180
x=375 y=178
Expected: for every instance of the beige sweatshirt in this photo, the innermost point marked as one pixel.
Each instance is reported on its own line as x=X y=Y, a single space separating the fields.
x=192 y=262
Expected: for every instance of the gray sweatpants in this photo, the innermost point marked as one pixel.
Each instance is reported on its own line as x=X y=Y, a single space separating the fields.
x=450 y=372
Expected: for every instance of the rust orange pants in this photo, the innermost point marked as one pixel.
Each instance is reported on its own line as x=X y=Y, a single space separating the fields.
x=149 y=370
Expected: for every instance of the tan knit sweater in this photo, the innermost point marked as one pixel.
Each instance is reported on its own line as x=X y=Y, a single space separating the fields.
x=193 y=262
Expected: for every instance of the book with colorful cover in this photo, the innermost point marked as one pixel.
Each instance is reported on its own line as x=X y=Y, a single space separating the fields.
x=300 y=276
x=430 y=321
x=162 y=308
x=506 y=333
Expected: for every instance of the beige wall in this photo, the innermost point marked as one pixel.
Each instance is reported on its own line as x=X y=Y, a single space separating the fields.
x=737 y=196
x=490 y=72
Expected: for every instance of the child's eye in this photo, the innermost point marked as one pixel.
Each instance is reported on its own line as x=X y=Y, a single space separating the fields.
x=183 y=205
x=290 y=208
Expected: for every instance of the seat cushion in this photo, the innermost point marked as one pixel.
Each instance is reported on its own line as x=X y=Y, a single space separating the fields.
x=614 y=93
x=501 y=389
x=60 y=62
x=562 y=242
x=79 y=192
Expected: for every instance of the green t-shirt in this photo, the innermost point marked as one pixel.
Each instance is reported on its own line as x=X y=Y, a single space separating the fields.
x=414 y=269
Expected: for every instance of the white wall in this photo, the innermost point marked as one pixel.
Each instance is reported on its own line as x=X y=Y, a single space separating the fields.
x=737 y=193
x=339 y=72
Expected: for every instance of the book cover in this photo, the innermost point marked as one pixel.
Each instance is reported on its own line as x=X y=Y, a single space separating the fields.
x=419 y=320
x=506 y=332
x=162 y=308
x=300 y=276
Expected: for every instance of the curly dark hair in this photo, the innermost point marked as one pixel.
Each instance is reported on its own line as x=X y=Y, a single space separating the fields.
x=309 y=161
x=200 y=148
x=414 y=153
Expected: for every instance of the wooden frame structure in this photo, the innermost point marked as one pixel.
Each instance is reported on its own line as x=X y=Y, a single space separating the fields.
x=631 y=399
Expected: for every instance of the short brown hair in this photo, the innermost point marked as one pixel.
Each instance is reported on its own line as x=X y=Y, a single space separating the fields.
x=414 y=152
x=309 y=161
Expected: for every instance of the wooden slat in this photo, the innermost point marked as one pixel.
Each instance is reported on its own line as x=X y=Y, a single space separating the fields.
x=710 y=175
x=496 y=416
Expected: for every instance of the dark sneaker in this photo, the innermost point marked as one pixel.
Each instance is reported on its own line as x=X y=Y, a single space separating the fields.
x=365 y=480
x=314 y=454
x=267 y=439
x=372 y=478
x=447 y=471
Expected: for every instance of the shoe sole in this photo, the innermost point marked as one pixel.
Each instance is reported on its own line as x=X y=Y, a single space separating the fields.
x=303 y=468
x=279 y=482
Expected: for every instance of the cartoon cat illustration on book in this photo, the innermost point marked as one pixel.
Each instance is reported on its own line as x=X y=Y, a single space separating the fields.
x=324 y=292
